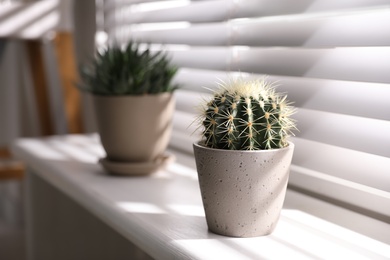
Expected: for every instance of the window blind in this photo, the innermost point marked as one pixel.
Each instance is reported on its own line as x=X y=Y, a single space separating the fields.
x=331 y=57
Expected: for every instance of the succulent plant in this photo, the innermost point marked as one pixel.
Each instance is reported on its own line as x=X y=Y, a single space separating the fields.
x=247 y=115
x=128 y=71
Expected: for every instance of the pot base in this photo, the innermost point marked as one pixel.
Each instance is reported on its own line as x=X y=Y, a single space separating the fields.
x=136 y=168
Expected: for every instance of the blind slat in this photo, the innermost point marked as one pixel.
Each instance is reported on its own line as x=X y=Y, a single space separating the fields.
x=217 y=34
x=336 y=63
x=344 y=97
x=343 y=131
x=213 y=58
x=362 y=99
x=358 y=195
x=197 y=80
x=364 y=168
x=189 y=101
x=368 y=28
x=131 y=12
x=352 y=29
x=212 y=11
x=184 y=132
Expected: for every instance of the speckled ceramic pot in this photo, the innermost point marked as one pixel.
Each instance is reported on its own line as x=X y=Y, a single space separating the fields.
x=242 y=191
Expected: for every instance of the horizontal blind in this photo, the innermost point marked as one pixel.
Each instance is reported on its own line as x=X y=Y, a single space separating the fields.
x=331 y=57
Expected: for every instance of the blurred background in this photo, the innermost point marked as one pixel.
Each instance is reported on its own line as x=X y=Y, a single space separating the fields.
x=38 y=70
x=332 y=58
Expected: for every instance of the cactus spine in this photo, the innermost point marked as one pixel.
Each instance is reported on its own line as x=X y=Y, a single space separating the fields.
x=247 y=115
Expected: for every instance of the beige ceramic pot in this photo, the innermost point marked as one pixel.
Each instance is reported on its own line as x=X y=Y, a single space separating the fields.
x=134 y=128
x=242 y=191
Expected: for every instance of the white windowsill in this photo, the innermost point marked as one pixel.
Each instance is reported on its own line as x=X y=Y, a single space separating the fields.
x=163 y=215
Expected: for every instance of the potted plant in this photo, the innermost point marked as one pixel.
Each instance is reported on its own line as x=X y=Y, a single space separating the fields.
x=134 y=103
x=244 y=157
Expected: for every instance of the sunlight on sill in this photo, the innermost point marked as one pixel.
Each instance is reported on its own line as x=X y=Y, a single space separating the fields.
x=74 y=152
x=58 y=150
x=149 y=208
x=182 y=170
x=333 y=235
x=187 y=210
x=90 y=142
x=45 y=152
x=213 y=249
x=141 y=207
x=298 y=235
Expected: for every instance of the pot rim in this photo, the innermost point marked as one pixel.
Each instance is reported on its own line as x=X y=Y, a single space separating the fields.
x=200 y=144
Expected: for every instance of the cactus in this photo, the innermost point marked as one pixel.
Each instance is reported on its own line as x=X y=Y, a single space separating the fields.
x=247 y=115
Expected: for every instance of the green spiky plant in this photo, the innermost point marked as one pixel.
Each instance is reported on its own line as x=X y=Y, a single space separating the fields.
x=247 y=115
x=128 y=71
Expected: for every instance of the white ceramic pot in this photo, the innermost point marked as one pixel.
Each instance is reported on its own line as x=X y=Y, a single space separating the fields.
x=134 y=128
x=242 y=191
